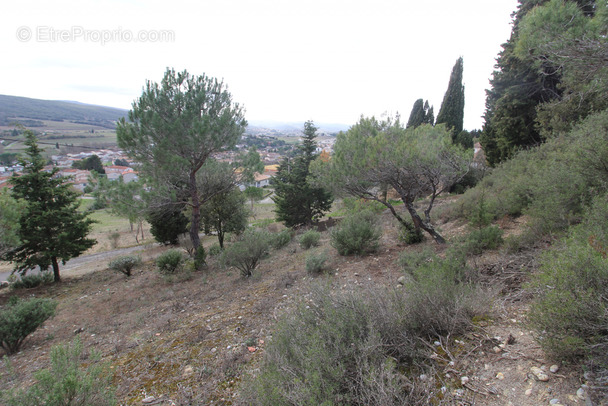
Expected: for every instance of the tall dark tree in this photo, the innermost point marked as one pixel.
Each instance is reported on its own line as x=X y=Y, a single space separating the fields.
x=452 y=108
x=517 y=88
x=51 y=229
x=429 y=116
x=297 y=201
x=421 y=114
x=174 y=128
x=417 y=114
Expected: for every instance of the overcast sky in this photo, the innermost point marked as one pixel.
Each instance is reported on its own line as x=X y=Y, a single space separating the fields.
x=323 y=60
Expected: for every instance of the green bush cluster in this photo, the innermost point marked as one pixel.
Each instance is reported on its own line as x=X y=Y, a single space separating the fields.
x=444 y=292
x=410 y=234
x=315 y=262
x=33 y=280
x=20 y=318
x=125 y=264
x=281 y=239
x=215 y=250
x=362 y=347
x=479 y=240
x=552 y=183
x=170 y=262
x=357 y=234
x=570 y=310
x=67 y=382
x=309 y=239
x=246 y=253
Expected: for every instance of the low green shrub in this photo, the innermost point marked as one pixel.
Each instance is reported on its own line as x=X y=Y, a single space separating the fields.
x=67 y=381
x=358 y=234
x=20 y=318
x=113 y=237
x=33 y=280
x=315 y=263
x=444 y=294
x=170 y=261
x=570 y=310
x=356 y=347
x=215 y=250
x=410 y=234
x=309 y=239
x=486 y=238
x=125 y=264
x=246 y=253
x=200 y=258
x=281 y=239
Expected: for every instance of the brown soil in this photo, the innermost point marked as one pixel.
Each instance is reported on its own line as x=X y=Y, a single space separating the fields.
x=192 y=340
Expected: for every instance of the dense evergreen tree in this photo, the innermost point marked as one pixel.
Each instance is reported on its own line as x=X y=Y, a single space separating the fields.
x=570 y=36
x=50 y=228
x=517 y=88
x=421 y=114
x=167 y=223
x=297 y=202
x=225 y=213
x=452 y=108
x=92 y=163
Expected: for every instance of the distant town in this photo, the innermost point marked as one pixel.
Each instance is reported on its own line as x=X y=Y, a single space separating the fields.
x=117 y=164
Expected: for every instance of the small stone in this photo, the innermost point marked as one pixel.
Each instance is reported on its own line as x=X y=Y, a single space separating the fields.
x=251 y=349
x=528 y=392
x=580 y=393
x=540 y=374
x=402 y=280
x=213 y=349
x=496 y=350
x=458 y=393
x=149 y=399
x=437 y=343
x=554 y=368
x=554 y=402
x=464 y=380
x=500 y=376
x=188 y=371
x=423 y=377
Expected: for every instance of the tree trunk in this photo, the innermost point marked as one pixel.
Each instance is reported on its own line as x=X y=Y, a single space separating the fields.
x=195 y=221
x=220 y=235
x=419 y=223
x=57 y=278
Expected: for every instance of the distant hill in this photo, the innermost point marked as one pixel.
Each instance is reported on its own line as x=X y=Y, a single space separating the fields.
x=27 y=111
x=296 y=127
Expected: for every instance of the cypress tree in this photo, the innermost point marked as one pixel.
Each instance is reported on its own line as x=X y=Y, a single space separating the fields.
x=452 y=108
x=417 y=115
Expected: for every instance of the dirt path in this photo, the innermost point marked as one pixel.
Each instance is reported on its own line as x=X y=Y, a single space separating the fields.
x=94 y=262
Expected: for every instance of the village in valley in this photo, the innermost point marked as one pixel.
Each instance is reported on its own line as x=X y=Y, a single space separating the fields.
x=118 y=165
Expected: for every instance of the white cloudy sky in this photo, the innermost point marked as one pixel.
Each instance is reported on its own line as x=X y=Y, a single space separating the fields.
x=325 y=60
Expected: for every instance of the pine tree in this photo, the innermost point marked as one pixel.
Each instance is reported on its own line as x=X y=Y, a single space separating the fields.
x=452 y=108
x=51 y=227
x=297 y=202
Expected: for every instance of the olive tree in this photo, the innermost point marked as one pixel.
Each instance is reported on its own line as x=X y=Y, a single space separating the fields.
x=419 y=162
x=173 y=130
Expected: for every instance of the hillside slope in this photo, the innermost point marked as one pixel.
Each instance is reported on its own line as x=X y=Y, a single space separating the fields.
x=12 y=107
